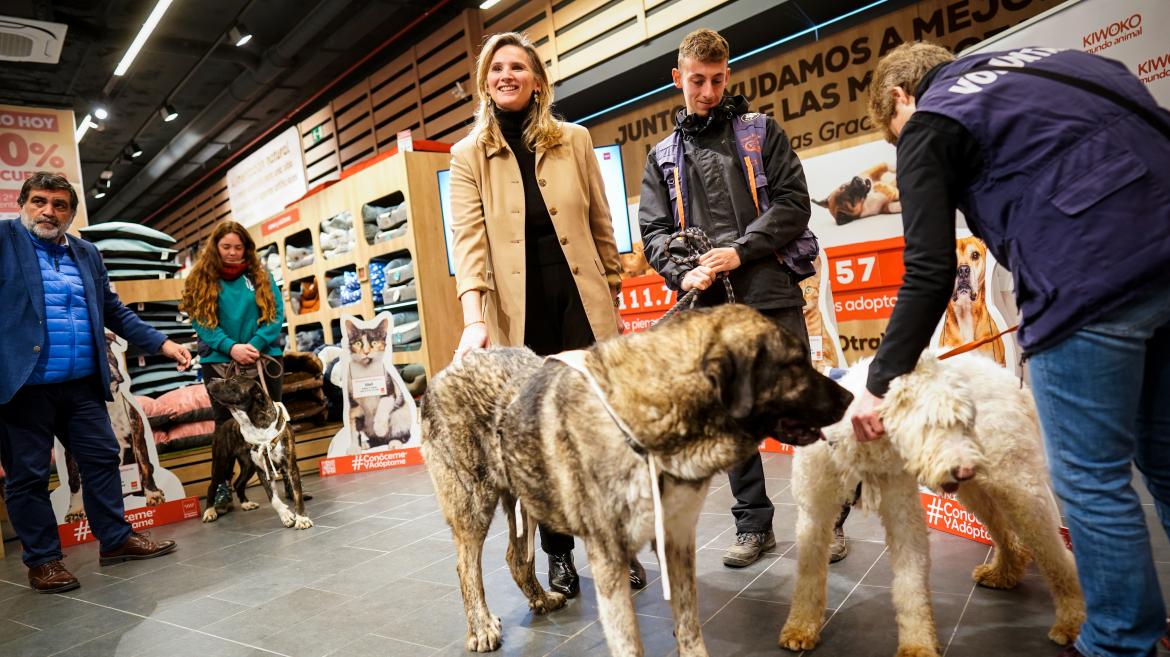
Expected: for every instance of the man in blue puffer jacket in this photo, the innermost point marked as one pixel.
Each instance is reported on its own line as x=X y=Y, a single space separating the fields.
x=1058 y=161
x=54 y=380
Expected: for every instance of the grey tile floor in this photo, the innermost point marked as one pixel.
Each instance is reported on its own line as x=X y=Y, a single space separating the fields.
x=376 y=577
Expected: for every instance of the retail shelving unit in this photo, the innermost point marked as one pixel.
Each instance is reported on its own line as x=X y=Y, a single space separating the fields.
x=409 y=177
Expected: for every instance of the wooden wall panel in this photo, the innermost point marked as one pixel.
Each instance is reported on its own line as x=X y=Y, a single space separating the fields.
x=319 y=144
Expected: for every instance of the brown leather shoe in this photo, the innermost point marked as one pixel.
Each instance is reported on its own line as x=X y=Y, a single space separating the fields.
x=51 y=577
x=137 y=547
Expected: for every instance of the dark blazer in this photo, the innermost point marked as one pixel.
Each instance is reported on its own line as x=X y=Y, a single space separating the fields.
x=22 y=308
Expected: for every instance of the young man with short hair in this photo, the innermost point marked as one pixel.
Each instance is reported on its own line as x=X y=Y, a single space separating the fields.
x=701 y=172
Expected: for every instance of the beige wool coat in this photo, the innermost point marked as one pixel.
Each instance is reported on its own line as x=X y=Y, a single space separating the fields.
x=487 y=204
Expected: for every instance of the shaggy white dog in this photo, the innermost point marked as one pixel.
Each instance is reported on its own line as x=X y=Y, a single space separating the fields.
x=963 y=421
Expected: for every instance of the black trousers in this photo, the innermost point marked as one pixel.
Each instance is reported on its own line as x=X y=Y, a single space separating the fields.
x=753 y=510
x=554 y=321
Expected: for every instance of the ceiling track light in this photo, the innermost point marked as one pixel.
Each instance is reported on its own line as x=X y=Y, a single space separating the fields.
x=488 y=4
x=167 y=112
x=239 y=34
x=106 y=174
x=133 y=151
x=100 y=113
x=107 y=183
x=98 y=192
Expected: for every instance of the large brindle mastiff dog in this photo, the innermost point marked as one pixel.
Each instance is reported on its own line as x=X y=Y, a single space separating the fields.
x=697 y=394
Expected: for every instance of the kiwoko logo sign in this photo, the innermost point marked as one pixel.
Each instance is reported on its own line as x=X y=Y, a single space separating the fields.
x=1113 y=34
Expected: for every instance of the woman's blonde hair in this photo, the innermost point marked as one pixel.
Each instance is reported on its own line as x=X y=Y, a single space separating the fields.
x=904 y=66
x=541 y=128
x=201 y=290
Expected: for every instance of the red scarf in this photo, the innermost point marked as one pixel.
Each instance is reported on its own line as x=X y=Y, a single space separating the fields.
x=229 y=272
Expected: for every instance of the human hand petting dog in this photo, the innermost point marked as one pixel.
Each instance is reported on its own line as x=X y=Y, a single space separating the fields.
x=244 y=354
x=177 y=353
x=867 y=422
x=475 y=336
x=721 y=259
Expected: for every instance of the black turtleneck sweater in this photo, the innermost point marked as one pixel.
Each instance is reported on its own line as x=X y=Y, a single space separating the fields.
x=537 y=222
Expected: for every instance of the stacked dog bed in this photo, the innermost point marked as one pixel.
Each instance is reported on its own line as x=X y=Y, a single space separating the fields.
x=180 y=419
x=384 y=223
x=133 y=251
x=304 y=297
x=270 y=258
x=399 y=284
x=154 y=374
x=303 y=394
x=298 y=256
x=337 y=235
x=344 y=288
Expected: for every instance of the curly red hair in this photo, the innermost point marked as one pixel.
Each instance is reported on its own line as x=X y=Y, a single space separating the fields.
x=201 y=290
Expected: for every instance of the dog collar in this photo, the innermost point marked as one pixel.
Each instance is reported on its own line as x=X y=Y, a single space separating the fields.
x=576 y=360
x=262 y=439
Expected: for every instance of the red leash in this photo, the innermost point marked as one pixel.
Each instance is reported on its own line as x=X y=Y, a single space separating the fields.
x=977 y=343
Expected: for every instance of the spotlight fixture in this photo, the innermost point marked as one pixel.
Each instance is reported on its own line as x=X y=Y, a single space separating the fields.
x=106 y=174
x=168 y=113
x=98 y=192
x=239 y=34
x=107 y=182
x=488 y=4
x=100 y=113
x=133 y=151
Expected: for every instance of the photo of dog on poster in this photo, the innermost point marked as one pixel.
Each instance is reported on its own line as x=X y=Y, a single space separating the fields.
x=144 y=482
x=872 y=192
x=380 y=414
x=972 y=313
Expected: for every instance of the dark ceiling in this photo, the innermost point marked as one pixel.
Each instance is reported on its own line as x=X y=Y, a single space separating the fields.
x=303 y=53
x=225 y=96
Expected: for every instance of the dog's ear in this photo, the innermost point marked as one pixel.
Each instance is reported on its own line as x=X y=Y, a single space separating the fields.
x=823 y=203
x=733 y=374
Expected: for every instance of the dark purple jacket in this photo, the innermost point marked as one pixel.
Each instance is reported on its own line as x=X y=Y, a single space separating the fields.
x=1074 y=197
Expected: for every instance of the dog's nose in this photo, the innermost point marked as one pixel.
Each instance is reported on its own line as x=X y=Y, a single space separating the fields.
x=963 y=473
x=964 y=270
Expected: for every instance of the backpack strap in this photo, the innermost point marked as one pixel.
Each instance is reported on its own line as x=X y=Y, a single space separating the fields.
x=750 y=132
x=669 y=154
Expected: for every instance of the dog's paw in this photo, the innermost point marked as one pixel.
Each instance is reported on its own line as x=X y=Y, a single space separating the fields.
x=75 y=515
x=487 y=637
x=796 y=636
x=210 y=515
x=249 y=505
x=916 y=651
x=303 y=522
x=287 y=517
x=155 y=497
x=550 y=601
x=993 y=578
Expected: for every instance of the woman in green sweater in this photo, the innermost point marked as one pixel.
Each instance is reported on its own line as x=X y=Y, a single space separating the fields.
x=236 y=310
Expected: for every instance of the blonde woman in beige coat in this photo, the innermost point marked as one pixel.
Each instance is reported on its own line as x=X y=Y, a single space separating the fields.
x=536 y=263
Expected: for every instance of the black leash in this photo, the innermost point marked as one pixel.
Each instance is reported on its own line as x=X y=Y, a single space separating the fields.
x=696 y=243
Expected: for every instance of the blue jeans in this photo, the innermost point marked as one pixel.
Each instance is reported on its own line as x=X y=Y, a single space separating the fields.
x=1103 y=396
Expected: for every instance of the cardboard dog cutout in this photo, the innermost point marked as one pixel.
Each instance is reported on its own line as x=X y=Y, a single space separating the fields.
x=144 y=482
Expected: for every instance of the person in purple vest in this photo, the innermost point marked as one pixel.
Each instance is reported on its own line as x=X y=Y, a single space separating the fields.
x=699 y=177
x=54 y=380
x=1058 y=160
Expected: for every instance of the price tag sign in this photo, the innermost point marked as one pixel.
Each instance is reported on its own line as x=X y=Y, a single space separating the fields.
x=369 y=386
x=643 y=300
x=35 y=139
x=865 y=278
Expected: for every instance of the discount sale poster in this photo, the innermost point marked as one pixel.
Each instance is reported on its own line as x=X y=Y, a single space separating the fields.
x=34 y=139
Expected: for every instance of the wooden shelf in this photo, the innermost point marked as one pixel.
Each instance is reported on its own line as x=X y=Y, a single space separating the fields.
x=413 y=175
x=148 y=290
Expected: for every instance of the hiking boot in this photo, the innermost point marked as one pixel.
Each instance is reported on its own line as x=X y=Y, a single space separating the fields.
x=562 y=575
x=51 y=577
x=748 y=548
x=839 y=549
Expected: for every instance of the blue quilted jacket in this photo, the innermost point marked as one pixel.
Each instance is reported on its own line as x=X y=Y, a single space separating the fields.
x=69 y=351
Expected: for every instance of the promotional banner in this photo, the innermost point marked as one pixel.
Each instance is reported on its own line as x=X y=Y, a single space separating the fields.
x=380 y=421
x=34 y=139
x=1132 y=31
x=268 y=179
x=817 y=92
x=151 y=494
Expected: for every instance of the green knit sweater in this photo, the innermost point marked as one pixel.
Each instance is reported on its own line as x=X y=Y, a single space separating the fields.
x=238 y=315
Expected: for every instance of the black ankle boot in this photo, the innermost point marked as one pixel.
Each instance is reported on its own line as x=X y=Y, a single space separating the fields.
x=562 y=575
x=637 y=574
